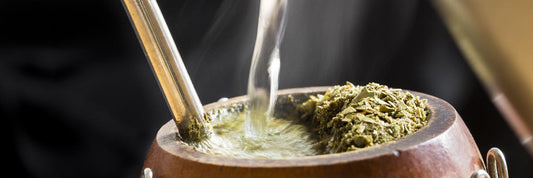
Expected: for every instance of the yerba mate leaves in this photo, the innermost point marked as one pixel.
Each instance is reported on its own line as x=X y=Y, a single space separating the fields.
x=352 y=117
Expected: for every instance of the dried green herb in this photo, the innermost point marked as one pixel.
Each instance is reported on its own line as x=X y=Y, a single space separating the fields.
x=194 y=132
x=350 y=117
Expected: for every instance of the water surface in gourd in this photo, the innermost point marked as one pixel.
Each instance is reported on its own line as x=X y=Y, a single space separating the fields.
x=282 y=138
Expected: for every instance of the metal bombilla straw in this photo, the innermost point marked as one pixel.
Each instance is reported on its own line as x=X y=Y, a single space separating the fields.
x=168 y=67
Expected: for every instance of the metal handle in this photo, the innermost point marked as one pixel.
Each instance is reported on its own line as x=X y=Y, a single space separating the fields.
x=147 y=173
x=496 y=165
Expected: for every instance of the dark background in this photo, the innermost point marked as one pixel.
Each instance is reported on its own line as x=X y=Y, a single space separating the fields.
x=78 y=98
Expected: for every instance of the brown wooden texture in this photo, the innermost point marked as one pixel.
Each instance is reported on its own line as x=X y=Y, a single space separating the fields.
x=443 y=148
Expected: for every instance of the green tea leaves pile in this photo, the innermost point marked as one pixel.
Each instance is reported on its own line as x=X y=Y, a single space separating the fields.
x=350 y=117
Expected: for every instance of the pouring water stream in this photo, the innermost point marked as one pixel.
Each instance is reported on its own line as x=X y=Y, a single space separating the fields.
x=177 y=86
x=264 y=70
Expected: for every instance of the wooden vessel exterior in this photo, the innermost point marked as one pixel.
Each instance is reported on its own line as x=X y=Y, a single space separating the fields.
x=444 y=148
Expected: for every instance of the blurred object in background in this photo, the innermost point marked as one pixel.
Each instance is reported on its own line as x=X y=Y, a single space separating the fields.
x=78 y=99
x=497 y=39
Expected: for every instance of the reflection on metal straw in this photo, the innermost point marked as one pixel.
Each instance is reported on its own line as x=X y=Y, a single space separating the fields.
x=168 y=67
